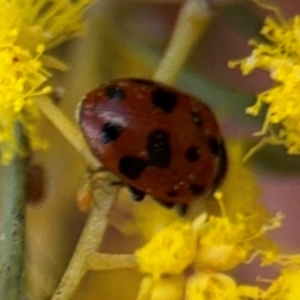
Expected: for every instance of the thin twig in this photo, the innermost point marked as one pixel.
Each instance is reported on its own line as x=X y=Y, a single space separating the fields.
x=102 y=261
x=89 y=242
x=193 y=19
x=14 y=199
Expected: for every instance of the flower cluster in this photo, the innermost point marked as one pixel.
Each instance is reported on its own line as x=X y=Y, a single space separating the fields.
x=192 y=259
x=206 y=249
x=279 y=56
x=32 y=28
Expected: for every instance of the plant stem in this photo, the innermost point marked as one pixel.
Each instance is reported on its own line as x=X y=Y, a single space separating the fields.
x=193 y=19
x=89 y=242
x=102 y=261
x=14 y=183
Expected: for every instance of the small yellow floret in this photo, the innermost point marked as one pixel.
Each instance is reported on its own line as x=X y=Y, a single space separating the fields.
x=214 y=286
x=170 y=251
x=220 y=244
x=169 y=288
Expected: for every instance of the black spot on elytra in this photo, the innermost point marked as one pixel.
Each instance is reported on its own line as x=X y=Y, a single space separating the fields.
x=196 y=189
x=164 y=100
x=197 y=119
x=192 y=153
x=131 y=166
x=136 y=194
x=159 y=149
x=143 y=81
x=114 y=92
x=110 y=132
x=172 y=193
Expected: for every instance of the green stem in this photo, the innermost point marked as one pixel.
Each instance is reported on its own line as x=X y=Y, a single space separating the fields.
x=13 y=184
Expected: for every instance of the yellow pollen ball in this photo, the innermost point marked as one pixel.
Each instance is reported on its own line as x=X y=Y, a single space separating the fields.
x=169 y=252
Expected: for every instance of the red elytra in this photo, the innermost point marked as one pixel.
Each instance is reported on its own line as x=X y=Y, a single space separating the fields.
x=155 y=138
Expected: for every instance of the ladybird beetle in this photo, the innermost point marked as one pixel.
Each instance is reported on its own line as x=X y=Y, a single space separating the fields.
x=155 y=139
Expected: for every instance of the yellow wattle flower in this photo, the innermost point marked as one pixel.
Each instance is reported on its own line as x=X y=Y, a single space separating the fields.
x=220 y=244
x=170 y=251
x=202 y=250
x=280 y=57
x=27 y=30
x=215 y=286
x=167 y=288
